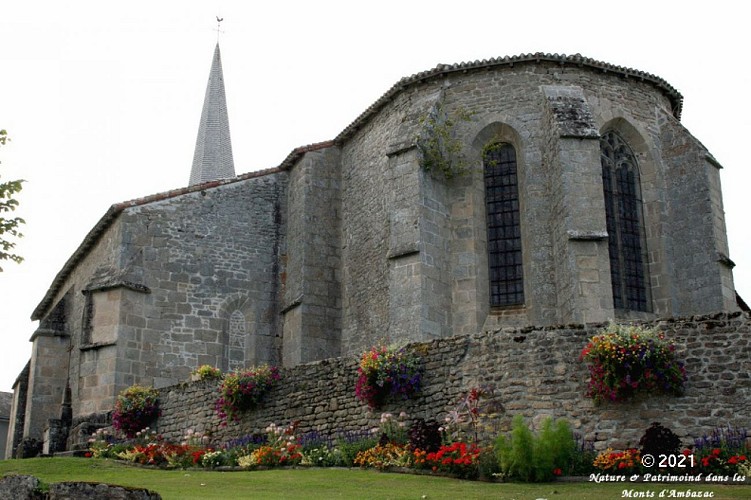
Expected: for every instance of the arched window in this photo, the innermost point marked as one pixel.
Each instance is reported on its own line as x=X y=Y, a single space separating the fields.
x=235 y=348
x=626 y=238
x=504 y=230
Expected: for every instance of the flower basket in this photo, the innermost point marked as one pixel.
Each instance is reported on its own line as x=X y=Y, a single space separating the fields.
x=205 y=372
x=135 y=408
x=386 y=372
x=626 y=360
x=243 y=390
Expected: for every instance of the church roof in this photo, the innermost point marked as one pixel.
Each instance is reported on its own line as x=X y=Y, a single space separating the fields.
x=675 y=97
x=213 y=154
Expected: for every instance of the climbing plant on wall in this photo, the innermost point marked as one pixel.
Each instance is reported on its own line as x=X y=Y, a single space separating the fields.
x=440 y=148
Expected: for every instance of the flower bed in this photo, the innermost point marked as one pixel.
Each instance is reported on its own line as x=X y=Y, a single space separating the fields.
x=456 y=449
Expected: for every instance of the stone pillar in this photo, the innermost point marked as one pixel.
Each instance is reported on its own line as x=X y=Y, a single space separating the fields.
x=312 y=299
x=583 y=277
x=48 y=373
x=17 y=412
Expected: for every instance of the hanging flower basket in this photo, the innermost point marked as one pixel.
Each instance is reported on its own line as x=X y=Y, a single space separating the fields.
x=386 y=372
x=242 y=390
x=135 y=408
x=626 y=360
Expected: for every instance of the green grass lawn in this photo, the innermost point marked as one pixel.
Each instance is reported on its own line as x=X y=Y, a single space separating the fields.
x=326 y=483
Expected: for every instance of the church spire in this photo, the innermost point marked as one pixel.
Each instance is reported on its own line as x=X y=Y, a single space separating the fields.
x=212 y=159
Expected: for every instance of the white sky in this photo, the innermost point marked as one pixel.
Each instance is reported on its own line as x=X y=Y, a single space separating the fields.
x=102 y=99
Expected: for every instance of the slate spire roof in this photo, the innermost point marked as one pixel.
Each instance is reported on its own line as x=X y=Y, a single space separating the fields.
x=212 y=159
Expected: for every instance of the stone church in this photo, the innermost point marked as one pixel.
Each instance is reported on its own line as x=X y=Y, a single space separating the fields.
x=541 y=189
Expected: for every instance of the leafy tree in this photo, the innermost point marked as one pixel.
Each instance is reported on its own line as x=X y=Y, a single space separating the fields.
x=9 y=226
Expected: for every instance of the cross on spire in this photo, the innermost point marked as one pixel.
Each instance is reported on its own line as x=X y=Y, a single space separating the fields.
x=218 y=28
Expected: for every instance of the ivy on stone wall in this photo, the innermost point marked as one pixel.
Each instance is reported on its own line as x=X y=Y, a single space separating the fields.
x=440 y=148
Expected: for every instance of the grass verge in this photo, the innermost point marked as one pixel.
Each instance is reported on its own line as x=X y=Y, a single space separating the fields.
x=315 y=483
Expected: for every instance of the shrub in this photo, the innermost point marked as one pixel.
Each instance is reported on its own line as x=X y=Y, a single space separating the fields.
x=387 y=371
x=529 y=457
x=243 y=390
x=554 y=449
x=624 y=360
x=425 y=435
x=516 y=455
x=658 y=440
x=135 y=408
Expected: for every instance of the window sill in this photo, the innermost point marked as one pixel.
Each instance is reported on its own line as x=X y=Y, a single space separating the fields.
x=511 y=309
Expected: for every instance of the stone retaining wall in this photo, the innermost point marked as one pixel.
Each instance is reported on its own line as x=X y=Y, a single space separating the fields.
x=535 y=372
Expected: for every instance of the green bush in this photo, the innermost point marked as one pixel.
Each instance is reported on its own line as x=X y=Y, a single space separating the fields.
x=527 y=457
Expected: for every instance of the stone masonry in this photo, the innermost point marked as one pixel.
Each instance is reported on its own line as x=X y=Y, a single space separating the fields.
x=534 y=372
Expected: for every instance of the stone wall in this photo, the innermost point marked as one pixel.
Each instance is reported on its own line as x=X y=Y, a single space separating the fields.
x=534 y=371
x=20 y=487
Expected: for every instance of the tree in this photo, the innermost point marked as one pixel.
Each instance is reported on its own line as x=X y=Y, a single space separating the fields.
x=9 y=226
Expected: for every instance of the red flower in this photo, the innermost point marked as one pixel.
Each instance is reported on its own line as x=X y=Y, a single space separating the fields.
x=716 y=452
x=557 y=472
x=87 y=454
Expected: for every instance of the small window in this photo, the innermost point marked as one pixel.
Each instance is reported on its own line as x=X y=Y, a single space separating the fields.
x=626 y=237
x=504 y=230
x=235 y=349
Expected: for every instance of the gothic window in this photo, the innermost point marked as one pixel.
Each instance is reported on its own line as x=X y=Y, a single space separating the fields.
x=504 y=230
x=236 y=344
x=626 y=237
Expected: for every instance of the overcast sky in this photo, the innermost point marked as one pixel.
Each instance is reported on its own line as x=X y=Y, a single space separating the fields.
x=102 y=99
